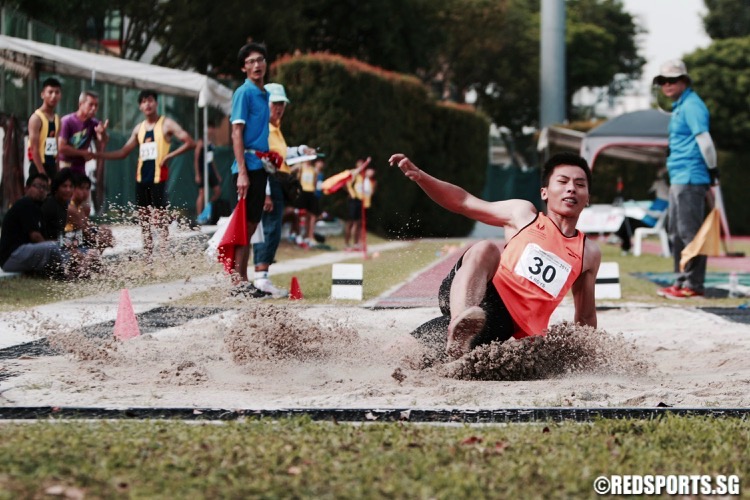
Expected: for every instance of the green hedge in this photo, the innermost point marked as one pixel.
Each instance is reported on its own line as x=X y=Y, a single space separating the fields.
x=351 y=110
x=735 y=178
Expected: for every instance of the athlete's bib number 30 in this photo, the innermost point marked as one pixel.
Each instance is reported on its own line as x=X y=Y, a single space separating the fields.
x=148 y=151
x=545 y=269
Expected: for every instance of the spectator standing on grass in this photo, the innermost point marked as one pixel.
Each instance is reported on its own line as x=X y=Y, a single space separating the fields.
x=368 y=190
x=493 y=294
x=249 y=118
x=273 y=204
x=308 y=201
x=78 y=130
x=355 y=197
x=153 y=136
x=214 y=178
x=692 y=170
x=319 y=177
x=23 y=248
x=44 y=127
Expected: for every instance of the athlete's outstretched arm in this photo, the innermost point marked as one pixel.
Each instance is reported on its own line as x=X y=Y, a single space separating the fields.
x=124 y=151
x=514 y=213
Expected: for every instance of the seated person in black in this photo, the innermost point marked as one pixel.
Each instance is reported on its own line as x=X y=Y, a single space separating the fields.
x=23 y=248
x=55 y=207
x=658 y=207
x=79 y=224
x=80 y=260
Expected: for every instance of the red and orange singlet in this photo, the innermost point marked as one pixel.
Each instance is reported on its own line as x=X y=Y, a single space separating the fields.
x=537 y=268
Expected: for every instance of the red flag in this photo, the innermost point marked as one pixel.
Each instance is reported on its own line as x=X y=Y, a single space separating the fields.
x=235 y=235
x=336 y=182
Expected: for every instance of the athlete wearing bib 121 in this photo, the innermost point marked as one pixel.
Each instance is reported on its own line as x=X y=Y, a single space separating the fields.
x=47 y=145
x=537 y=268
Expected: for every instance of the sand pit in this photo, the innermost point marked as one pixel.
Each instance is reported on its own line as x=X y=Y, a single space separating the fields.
x=269 y=357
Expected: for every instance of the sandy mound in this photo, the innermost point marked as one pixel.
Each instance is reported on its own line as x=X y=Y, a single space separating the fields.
x=567 y=349
x=267 y=332
x=83 y=348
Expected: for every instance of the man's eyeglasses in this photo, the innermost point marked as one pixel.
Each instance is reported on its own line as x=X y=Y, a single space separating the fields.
x=257 y=60
x=663 y=80
x=40 y=186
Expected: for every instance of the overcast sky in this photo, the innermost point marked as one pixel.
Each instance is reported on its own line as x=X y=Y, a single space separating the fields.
x=674 y=29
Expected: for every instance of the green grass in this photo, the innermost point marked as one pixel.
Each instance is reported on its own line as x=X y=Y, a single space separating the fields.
x=297 y=458
x=24 y=291
x=380 y=272
x=642 y=290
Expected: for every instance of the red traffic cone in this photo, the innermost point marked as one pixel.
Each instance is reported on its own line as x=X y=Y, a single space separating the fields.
x=126 y=325
x=295 y=292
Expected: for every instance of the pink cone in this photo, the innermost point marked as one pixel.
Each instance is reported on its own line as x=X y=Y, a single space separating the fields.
x=126 y=325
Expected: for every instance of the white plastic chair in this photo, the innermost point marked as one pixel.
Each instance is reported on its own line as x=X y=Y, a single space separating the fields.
x=658 y=230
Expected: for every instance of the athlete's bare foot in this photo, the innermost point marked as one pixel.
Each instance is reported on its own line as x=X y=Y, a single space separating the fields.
x=463 y=329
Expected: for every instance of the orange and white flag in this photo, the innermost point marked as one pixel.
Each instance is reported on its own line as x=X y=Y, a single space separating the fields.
x=707 y=240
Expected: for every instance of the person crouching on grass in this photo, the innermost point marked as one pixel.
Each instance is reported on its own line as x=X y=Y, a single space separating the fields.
x=494 y=293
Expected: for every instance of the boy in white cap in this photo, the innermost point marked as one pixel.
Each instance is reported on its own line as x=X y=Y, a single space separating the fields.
x=273 y=206
x=692 y=170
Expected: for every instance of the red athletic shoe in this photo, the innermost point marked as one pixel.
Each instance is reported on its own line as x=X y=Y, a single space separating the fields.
x=682 y=293
x=668 y=291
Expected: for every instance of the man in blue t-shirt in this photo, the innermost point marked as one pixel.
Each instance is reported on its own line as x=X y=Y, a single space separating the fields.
x=692 y=169
x=250 y=115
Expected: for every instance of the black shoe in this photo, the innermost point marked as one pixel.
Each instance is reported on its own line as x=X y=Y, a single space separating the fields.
x=248 y=290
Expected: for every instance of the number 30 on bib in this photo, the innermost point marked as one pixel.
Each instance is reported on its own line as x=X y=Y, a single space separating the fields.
x=545 y=269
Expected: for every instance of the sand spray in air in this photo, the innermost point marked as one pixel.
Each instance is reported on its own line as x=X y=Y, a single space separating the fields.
x=566 y=349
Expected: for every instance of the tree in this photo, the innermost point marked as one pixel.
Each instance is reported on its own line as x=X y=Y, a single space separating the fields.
x=146 y=19
x=727 y=18
x=83 y=19
x=492 y=47
x=458 y=47
x=721 y=76
x=601 y=47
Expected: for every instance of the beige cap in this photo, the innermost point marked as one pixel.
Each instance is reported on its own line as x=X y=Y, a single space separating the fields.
x=673 y=68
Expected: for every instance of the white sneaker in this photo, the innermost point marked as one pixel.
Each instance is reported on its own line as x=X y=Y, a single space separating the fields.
x=265 y=285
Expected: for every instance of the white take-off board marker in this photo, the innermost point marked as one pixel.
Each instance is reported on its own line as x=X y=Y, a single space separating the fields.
x=608 y=281
x=347 y=281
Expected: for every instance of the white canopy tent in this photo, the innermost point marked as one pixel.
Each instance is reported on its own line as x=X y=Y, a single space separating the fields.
x=647 y=128
x=27 y=57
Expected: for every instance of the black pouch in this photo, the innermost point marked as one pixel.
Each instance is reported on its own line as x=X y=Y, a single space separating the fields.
x=290 y=186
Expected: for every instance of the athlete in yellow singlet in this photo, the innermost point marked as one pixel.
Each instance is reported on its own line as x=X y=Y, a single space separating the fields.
x=153 y=137
x=493 y=294
x=44 y=125
x=355 y=192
